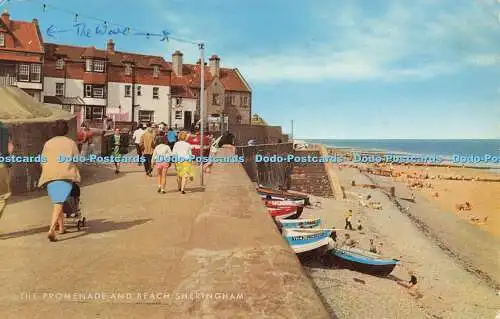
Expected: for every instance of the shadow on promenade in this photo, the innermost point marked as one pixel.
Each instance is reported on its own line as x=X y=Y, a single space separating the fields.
x=90 y=174
x=94 y=226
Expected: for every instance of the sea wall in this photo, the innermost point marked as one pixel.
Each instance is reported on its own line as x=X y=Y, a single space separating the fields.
x=261 y=134
x=28 y=139
x=235 y=247
x=310 y=178
x=271 y=174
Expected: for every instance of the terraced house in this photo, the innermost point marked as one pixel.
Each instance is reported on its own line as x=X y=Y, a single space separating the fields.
x=21 y=55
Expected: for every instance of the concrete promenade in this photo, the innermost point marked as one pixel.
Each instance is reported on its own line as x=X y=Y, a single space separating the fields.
x=211 y=253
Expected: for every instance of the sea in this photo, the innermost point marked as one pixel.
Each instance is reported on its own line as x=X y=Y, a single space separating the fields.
x=446 y=148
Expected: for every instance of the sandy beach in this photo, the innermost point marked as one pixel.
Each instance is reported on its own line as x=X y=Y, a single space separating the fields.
x=455 y=261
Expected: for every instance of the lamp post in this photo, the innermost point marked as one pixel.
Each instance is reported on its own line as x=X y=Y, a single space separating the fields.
x=201 y=46
x=169 y=110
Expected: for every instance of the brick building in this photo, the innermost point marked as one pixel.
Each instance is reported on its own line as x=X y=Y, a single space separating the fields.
x=21 y=55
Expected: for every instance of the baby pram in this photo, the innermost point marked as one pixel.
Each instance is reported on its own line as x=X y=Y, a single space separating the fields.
x=72 y=208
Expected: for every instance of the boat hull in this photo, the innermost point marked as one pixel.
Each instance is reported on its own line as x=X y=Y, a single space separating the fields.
x=301 y=223
x=304 y=243
x=277 y=203
x=263 y=191
x=282 y=212
x=372 y=266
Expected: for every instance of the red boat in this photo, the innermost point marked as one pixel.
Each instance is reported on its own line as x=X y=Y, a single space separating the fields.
x=281 y=203
x=283 y=212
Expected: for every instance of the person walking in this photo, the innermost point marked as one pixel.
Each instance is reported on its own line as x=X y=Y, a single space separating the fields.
x=183 y=156
x=348 y=217
x=373 y=249
x=161 y=159
x=147 y=146
x=87 y=138
x=59 y=175
x=137 y=135
x=171 y=137
x=5 y=176
x=119 y=149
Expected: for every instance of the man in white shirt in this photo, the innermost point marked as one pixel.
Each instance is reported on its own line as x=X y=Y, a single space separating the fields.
x=137 y=140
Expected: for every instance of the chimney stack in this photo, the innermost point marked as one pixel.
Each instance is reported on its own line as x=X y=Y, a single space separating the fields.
x=177 y=62
x=111 y=46
x=214 y=65
x=6 y=17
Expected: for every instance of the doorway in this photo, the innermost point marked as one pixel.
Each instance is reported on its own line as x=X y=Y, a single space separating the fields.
x=187 y=120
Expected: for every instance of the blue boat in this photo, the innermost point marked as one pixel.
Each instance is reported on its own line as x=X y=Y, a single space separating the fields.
x=307 y=240
x=300 y=223
x=362 y=261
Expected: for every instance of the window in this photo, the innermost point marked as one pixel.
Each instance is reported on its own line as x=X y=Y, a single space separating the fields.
x=178 y=100
x=2 y=39
x=24 y=72
x=88 y=90
x=59 y=64
x=244 y=100
x=146 y=116
x=238 y=119
x=139 y=92
x=88 y=65
x=94 y=112
x=98 y=66
x=36 y=73
x=59 y=89
x=156 y=93
x=233 y=100
x=178 y=115
x=127 y=90
x=98 y=92
x=215 y=99
x=128 y=69
x=156 y=71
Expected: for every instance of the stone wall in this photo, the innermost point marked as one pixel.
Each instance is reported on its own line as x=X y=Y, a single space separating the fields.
x=269 y=174
x=28 y=139
x=262 y=134
x=310 y=178
x=235 y=247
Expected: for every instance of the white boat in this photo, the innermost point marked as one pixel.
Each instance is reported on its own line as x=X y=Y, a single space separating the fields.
x=306 y=240
x=275 y=203
x=300 y=223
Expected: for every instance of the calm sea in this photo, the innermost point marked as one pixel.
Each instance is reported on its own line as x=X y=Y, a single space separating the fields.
x=445 y=148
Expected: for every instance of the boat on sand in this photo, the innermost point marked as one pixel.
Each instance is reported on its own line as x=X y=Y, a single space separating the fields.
x=284 y=212
x=300 y=223
x=274 y=194
x=307 y=240
x=278 y=203
x=360 y=260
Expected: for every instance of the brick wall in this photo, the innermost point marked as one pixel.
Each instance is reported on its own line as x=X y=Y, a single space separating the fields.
x=310 y=178
x=28 y=139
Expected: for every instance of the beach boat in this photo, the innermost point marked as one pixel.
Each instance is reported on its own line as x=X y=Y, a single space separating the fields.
x=273 y=194
x=362 y=261
x=300 y=223
x=283 y=212
x=279 y=203
x=307 y=240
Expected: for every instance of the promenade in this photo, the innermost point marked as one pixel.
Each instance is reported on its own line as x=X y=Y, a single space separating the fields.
x=150 y=255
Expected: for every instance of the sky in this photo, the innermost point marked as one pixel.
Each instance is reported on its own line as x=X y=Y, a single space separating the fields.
x=343 y=69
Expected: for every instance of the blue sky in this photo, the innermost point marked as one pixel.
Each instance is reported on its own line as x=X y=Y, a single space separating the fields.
x=339 y=69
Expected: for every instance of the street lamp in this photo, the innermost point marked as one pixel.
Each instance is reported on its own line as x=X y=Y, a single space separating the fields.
x=169 y=110
x=201 y=46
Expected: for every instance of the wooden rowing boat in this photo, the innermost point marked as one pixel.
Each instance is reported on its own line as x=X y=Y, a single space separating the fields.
x=300 y=223
x=279 y=203
x=274 y=194
x=307 y=241
x=283 y=212
x=362 y=261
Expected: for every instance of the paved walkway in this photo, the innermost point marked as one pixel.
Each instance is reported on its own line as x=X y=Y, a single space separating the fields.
x=131 y=244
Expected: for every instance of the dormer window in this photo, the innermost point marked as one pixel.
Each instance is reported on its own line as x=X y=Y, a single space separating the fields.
x=128 y=69
x=98 y=66
x=59 y=64
x=2 y=39
x=156 y=71
x=88 y=65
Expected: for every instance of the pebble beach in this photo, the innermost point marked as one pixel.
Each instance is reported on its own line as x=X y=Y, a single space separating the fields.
x=455 y=260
